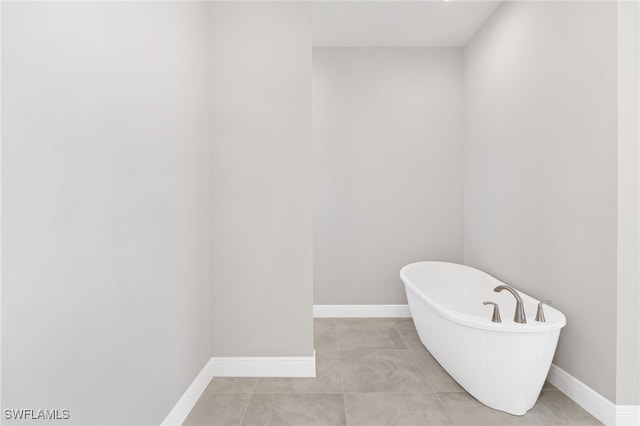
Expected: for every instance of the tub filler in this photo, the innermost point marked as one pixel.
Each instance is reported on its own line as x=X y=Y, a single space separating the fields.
x=503 y=365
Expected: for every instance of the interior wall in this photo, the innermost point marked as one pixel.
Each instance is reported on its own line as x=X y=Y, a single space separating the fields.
x=387 y=132
x=260 y=68
x=105 y=295
x=541 y=168
x=628 y=334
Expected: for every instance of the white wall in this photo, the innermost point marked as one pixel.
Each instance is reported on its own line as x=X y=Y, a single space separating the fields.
x=261 y=184
x=628 y=334
x=387 y=129
x=105 y=296
x=541 y=168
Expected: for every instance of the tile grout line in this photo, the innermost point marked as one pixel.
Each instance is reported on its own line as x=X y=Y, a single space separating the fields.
x=344 y=397
x=424 y=374
x=246 y=408
x=539 y=401
x=446 y=410
x=415 y=358
x=344 y=404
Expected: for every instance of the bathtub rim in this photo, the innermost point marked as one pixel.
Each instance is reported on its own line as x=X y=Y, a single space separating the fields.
x=475 y=321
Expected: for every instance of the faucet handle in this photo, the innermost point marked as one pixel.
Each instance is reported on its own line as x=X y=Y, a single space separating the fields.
x=540 y=313
x=496 y=311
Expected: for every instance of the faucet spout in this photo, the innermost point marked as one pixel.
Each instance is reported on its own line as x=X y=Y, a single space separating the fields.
x=519 y=315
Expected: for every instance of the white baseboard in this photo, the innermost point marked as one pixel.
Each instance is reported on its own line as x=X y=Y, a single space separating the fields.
x=294 y=366
x=361 y=311
x=627 y=415
x=594 y=403
x=189 y=398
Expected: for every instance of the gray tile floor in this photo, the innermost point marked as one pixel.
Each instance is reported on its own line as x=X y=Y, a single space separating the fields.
x=370 y=372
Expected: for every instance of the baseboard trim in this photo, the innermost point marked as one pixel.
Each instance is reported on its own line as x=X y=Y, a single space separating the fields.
x=627 y=415
x=285 y=366
x=183 y=407
x=294 y=366
x=361 y=311
x=594 y=403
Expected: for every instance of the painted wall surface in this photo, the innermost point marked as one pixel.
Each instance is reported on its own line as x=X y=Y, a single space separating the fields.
x=628 y=336
x=260 y=62
x=541 y=168
x=105 y=296
x=387 y=129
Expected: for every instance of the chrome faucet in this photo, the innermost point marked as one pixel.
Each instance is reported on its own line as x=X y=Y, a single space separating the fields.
x=519 y=316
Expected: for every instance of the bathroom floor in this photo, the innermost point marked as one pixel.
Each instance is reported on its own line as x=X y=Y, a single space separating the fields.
x=370 y=372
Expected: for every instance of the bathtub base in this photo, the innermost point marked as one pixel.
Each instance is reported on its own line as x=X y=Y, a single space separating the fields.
x=504 y=371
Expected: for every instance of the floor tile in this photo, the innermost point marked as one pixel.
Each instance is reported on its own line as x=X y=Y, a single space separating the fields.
x=567 y=410
x=218 y=409
x=382 y=371
x=325 y=409
x=324 y=334
x=437 y=376
x=231 y=385
x=467 y=411
x=328 y=378
x=389 y=377
x=401 y=409
x=404 y=324
x=372 y=333
x=410 y=338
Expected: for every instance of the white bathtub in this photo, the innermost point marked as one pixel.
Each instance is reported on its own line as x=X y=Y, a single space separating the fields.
x=503 y=365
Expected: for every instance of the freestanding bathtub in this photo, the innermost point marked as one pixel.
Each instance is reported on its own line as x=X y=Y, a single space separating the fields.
x=503 y=365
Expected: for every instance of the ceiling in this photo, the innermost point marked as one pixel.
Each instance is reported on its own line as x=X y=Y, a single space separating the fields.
x=398 y=23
